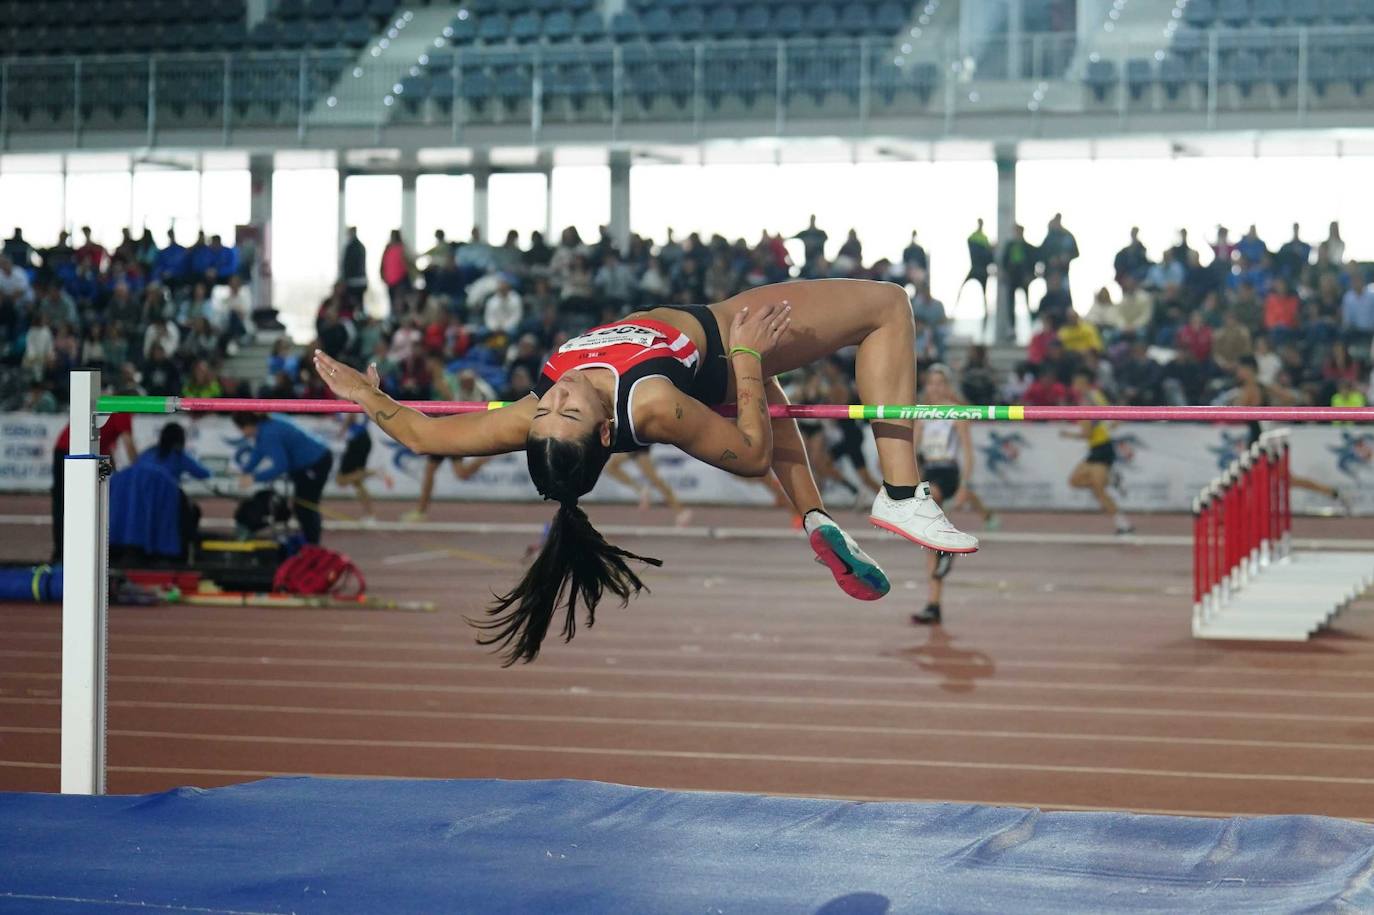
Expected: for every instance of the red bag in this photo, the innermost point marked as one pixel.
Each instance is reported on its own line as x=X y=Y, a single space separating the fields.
x=315 y=570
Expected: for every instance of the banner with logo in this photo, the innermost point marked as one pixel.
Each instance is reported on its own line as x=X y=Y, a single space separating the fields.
x=1160 y=467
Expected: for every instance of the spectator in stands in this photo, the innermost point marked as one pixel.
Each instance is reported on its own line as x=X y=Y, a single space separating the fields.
x=54 y=302
x=1017 y=265
x=116 y=345
x=202 y=382
x=1137 y=309
x=353 y=267
x=1251 y=247
x=1056 y=300
x=930 y=311
x=1038 y=349
x=1182 y=249
x=1166 y=277
x=90 y=254
x=976 y=380
x=159 y=373
x=1267 y=362
x=476 y=255
x=654 y=288
x=719 y=283
x=1138 y=377
x=1232 y=342
x=196 y=304
x=1292 y=258
x=1079 y=336
x=221 y=262
x=172 y=263
x=395 y=270
x=1046 y=390
x=38 y=347
x=235 y=307
x=145 y=250
x=539 y=252
x=980 y=261
x=1223 y=251
x=1132 y=260
x=1334 y=246
x=201 y=341
x=19 y=251
x=852 y=249
x=1357 y=307
x=14 y=281
x=93 y=347
x=1281 y=310
x=39 y=399
x=333 y=332
x=615 y=282
x=914 y=258
x=161 y=331
x=812 y=238
x=1058 y=250
x=1104 y=314
x=126 y=252
x=59 y=255
x=1196 y=338
x=504 y=309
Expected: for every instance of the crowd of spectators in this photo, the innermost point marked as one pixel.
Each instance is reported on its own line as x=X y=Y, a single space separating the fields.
x=471 y=320
x=1299 y=315
x=156 y=319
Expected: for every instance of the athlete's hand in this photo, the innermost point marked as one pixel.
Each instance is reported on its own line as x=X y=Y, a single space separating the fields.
x=344 y=381
x=762 y=328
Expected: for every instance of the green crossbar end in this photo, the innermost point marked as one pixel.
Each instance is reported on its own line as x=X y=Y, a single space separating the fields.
x=127 y=404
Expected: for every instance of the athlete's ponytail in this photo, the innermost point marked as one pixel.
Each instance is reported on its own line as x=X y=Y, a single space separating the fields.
x=575 y=562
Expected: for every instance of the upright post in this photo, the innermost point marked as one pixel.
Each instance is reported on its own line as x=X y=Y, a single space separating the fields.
x=84 y=597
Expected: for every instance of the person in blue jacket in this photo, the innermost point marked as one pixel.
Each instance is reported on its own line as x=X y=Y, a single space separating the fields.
x=288 y=451
x=170 y=457
x=171 y=263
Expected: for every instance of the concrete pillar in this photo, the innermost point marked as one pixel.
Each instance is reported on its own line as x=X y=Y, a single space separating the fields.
x=481 y=212
x=1005 y=154
x=1016 y=20
x=620 y=198
x=409 y=221
x=260 y=173
x=343 y=218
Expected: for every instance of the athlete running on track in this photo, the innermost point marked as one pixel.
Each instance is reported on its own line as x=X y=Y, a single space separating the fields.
x=653 y=377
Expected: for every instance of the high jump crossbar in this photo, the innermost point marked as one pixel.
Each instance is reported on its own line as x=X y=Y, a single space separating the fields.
x=85 y=598
x=1013 y=413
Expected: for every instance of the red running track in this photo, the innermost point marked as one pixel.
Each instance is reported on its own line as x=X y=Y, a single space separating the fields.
x=1065 y=677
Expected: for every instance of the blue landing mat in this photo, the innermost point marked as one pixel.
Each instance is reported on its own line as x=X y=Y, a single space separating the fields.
x=565 y=847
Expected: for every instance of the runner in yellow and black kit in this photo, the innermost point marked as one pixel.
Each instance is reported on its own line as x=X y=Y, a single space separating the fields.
x=1094 y=471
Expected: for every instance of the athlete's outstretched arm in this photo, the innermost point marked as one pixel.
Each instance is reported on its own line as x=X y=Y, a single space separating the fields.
x=463 y=435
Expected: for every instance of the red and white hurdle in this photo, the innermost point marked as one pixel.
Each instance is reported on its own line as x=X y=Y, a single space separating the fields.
x=1247 y=581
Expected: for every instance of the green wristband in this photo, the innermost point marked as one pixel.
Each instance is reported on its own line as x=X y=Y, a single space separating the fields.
x=744 y=349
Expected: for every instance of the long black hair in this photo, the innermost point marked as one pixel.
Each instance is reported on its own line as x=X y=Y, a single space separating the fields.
x=172 y=438
x=575 y=562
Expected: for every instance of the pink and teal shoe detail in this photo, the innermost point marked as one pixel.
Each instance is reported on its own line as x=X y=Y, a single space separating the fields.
x=855 y=571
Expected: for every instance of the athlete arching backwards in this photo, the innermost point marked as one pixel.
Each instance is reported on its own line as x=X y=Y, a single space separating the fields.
x=654 y=376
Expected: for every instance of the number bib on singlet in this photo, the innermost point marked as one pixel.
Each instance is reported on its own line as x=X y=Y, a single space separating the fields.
x=614 y=335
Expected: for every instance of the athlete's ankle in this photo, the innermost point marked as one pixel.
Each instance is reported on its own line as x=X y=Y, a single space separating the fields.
x=814 y=519
x=898 y=493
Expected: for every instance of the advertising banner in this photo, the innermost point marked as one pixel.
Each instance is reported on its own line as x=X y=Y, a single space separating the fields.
x=1160 y=467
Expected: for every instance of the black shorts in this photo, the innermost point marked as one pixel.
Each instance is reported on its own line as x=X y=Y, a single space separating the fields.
x=850 y=445
x=944 y=477
x=355 y=454
x=712 y=379
x=1102 y=454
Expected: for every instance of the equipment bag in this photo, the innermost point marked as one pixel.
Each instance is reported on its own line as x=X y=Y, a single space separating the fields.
x=316 y=570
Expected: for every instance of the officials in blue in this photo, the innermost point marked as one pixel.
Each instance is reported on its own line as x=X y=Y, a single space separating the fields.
x=280 y=449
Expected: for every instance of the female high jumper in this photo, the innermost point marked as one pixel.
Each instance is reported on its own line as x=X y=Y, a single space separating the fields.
x=654 y=376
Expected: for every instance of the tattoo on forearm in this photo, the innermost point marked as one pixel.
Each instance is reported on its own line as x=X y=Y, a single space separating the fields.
x=752 y=378
x=749 y=442
x=728 y=455
x=679 y=411
x=379 y=417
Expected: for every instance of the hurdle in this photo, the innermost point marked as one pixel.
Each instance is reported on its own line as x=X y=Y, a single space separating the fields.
x=1248 y=583
x=85 y=603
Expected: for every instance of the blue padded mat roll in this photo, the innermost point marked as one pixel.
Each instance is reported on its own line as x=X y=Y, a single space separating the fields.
x=566 y=847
